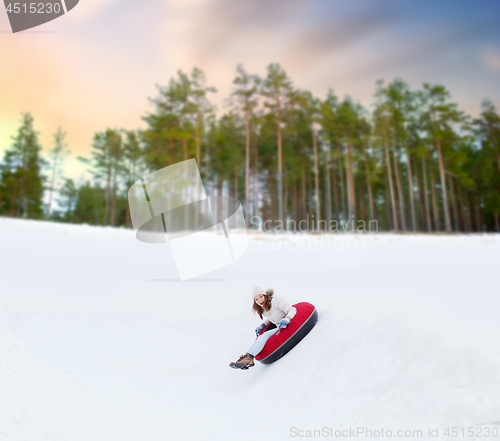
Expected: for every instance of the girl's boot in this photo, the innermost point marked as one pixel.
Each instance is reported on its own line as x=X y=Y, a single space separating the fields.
x=244 y=362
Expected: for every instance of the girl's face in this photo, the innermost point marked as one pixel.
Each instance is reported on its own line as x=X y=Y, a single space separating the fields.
x=260 y=299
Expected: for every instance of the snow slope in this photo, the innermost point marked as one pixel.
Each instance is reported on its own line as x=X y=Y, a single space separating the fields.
x=101 y=341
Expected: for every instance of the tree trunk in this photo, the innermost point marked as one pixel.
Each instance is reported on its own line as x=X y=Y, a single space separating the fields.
x=207 y=167
x=316 y=173
x=265 y=208
x=256 y=192
x=479 y=221
x=13 y=199
x=297 y=202
x=68 y=210
x=272 y=202
x=304 y=193
x=328 y=198
x=469 y=212
x=235 y=195
x=235 y=182
x=220 y=184
x=96 y=204
x=426 y=197
x=285 y=199
x=342 y=184
x=335 y=190
x=369 y=185
x=352 y=202
x=419 y=197
x=387 y=203
x=280 y=166
x=247 y=163
x=453 y=204
x=113 y=206
x=464 y=209
x=435 y=210
x=391 y=186
x=21 y=188
x=399 y=187
x=170 y=150
x=361 y=200
x=108 y=192
x=410 y=188
x=443 y=181
x=52 y=182
x=310 y=194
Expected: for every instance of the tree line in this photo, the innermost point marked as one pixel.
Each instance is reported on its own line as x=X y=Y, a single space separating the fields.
x=412 y=162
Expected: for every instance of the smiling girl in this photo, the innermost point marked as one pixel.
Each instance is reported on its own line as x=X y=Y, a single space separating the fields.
x=272 y=309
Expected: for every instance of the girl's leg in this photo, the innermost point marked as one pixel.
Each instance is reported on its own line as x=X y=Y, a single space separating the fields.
x=258 y=345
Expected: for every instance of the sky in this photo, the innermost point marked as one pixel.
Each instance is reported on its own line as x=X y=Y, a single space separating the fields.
x=96 y=66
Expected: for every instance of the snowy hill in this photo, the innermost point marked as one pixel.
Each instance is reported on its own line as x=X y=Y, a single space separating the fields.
x=101 y=341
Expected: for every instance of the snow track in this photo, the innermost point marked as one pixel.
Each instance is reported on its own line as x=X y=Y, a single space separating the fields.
x=101 y=341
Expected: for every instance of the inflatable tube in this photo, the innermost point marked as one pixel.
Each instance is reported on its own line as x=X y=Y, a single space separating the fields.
x=280 y=344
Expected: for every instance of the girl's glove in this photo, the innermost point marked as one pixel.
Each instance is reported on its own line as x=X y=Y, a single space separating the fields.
x=284 y=323
x=259 y=329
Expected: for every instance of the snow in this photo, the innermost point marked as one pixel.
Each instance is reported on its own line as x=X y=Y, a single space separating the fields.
x=100 y=340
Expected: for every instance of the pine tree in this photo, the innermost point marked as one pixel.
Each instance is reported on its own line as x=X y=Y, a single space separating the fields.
x=89 y=204
x=488 y=129
x=381 y=117
x=330 y=133
x=402 y=106
x=276 y=86
x=106 y=166
x=311 y=108
x=348 y=116
x=57 y=155
x=248 y=87
x=201 y=107
x=21 y=179
x=438 y=117
x=67 y=199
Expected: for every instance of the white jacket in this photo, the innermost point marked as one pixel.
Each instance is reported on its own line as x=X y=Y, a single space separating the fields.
x=280 y=308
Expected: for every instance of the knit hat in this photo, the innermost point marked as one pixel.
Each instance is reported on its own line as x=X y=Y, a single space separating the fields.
x=269 y=293
x=257 y=291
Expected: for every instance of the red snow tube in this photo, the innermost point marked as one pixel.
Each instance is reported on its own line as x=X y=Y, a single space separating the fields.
x=279 y=345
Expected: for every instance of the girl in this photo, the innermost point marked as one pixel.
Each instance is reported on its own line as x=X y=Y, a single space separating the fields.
x=276 y=310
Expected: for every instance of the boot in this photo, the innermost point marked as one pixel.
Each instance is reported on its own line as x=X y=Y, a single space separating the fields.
x=244 y=362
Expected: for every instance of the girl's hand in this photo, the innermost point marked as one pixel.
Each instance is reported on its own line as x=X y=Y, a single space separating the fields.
x=284 y=323
x=259 y=329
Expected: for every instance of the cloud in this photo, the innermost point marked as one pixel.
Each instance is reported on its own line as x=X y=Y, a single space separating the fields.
x=332 y=33
x=285 y=30
x=420 y=49
x=491 y=59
